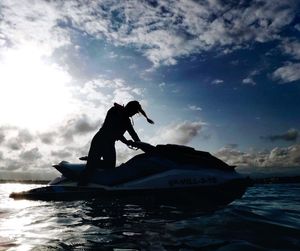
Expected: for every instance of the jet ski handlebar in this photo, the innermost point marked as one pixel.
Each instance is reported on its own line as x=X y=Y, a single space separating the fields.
x=145 y=147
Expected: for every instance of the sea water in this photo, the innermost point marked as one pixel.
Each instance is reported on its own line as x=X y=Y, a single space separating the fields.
x=267 y=217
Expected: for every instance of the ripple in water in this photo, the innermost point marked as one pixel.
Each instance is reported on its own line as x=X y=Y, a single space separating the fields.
x=266 y=218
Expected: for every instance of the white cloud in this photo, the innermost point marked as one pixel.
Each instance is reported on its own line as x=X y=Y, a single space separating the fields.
x=162 y=86
x=163 y=33
x=217 y=82
x=249 y=81
x=195 y=108
x=288 y=73
x=97 y=95
x=34 y=22
x=291 y=47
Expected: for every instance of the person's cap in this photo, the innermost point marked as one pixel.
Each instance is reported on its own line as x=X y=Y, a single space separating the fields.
x=136 y=106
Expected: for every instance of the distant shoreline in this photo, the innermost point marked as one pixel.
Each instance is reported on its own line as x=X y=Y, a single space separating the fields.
x=42 y=182
x=277 y=180
x=269 y=180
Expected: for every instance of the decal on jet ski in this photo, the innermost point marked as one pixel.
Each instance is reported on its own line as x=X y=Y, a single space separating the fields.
x=192 y=181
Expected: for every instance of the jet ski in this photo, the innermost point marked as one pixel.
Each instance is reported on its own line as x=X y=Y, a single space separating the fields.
x=165 y=174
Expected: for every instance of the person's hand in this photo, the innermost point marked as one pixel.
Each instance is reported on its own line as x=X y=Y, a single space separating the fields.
x=84 y=158
x=129 y=142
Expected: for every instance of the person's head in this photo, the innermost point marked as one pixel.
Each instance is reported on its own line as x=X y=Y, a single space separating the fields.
x=134 y=107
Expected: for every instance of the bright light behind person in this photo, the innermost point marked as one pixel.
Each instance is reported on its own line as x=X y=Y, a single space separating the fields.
x=33 y=93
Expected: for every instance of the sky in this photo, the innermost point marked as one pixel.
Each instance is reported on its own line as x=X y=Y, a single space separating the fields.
x=219 y=76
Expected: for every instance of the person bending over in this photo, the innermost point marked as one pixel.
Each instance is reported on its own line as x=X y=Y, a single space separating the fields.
x=116 y=123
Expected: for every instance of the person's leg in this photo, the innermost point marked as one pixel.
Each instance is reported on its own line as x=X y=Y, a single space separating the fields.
x=94 y=160
x=109 y=156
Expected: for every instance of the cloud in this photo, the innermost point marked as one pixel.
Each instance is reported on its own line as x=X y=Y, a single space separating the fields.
x=217 y=82
x=288 y=73
x=172 y=29
x=291 y=47
x=162 y=32
x=15 y=138
x=233 y=156
x=290 y=135
x=102 y=92
x=77 y=126
x=71 y=137
x=14 y=144
x=30 y=155
x=25 y=136
x=11 y=165
x=249 y=81
x=283 y=160
x=2 y=137
x=83 y=125
x=48 y=137
x=61 y=154
x=181 y=133
x=195 y=108
x=33 y=22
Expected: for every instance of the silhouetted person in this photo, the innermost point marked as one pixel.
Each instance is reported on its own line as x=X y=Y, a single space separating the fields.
x=116 y=123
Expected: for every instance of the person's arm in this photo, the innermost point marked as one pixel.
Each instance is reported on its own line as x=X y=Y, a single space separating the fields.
x=125 y=141
x=132 y=133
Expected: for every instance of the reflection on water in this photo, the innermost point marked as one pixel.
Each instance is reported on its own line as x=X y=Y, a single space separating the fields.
x=266 y=218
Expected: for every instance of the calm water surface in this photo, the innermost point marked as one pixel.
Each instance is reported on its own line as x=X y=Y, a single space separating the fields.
x=266 y=218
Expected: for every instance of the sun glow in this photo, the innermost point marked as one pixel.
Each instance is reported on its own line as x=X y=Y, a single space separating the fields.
x=33 y=92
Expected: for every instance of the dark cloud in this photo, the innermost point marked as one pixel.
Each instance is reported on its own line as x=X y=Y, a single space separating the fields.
x=2 y=136
x=83 y=125
x=181 y=133
x=30 y=155
x=24 y=136
x=61 y=154
x=48 y=138
x=78 y=126
x=71 y=152
x=290 y=135
x=11 y=165
x=279 y=158
x=14 y=144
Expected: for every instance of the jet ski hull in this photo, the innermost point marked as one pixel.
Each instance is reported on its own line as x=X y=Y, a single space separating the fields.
x=205 y=196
